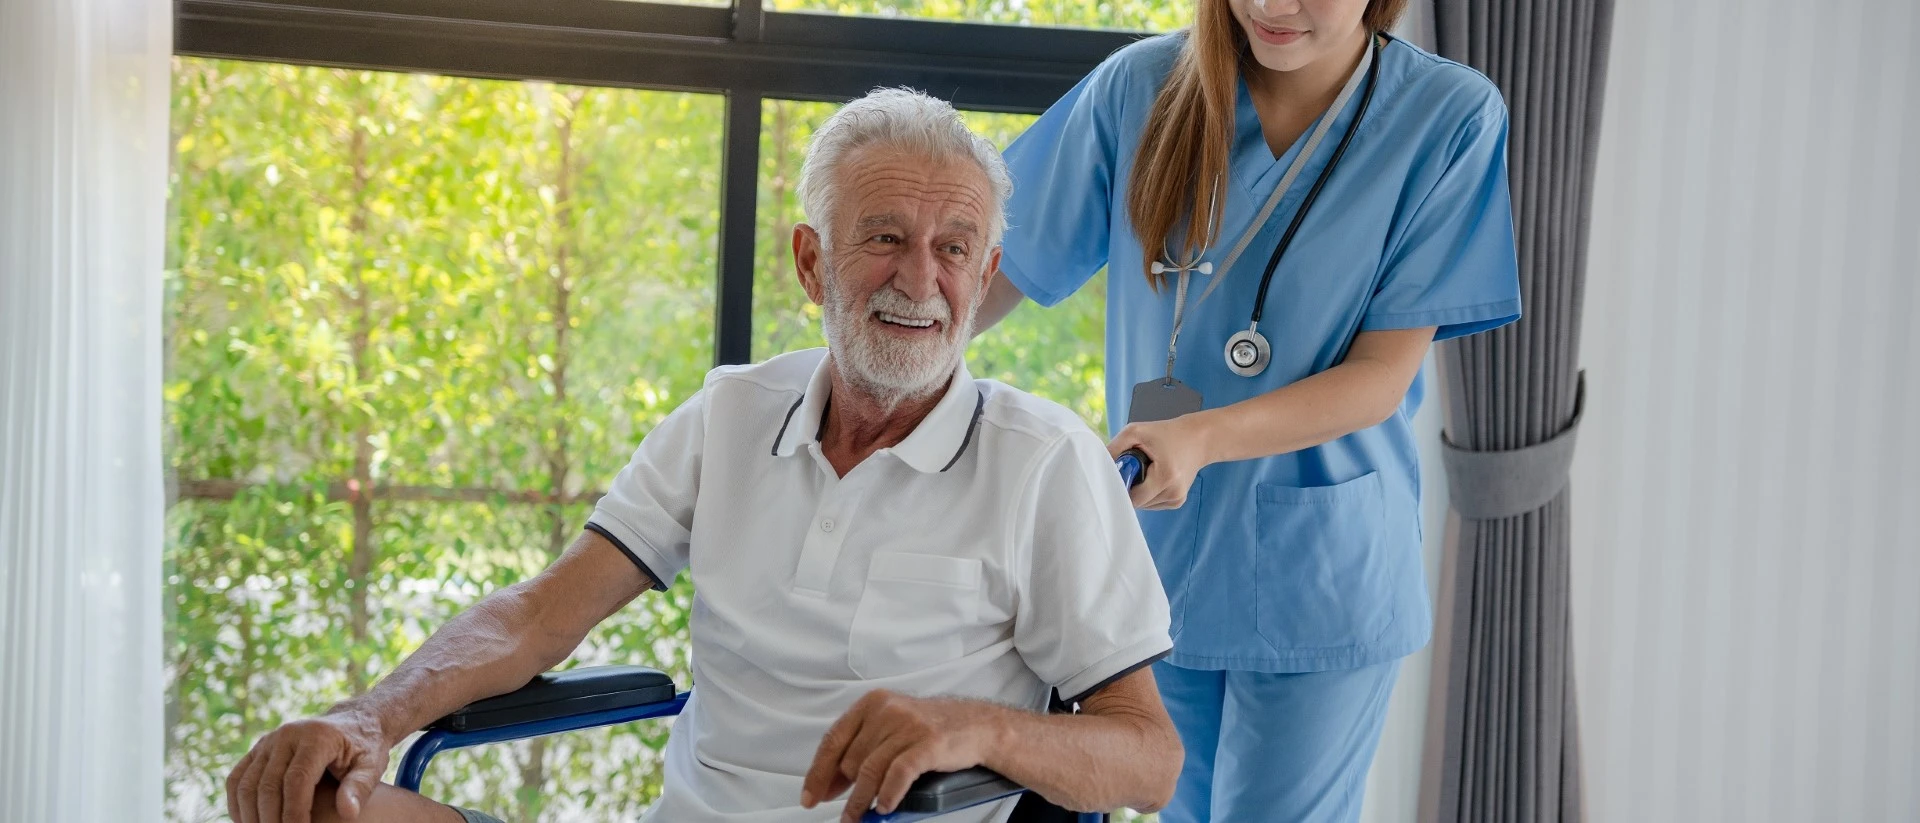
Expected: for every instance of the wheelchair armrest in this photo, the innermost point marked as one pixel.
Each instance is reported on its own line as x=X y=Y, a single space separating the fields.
x=937 y=792
x=563 y=694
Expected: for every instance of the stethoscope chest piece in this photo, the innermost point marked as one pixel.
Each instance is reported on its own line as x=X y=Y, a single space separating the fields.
x=1248 y=353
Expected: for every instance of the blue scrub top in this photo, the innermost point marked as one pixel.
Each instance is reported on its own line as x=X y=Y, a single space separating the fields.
x=1308 y=561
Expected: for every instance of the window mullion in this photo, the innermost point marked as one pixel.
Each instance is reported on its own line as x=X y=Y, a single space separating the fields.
x=739 y=193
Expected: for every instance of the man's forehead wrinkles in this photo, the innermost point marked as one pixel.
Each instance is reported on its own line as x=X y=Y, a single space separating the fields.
x=868 y=176
x=923 y=190
x=942 y=198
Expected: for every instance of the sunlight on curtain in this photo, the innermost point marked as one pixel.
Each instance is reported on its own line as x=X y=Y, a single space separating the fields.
x=83 y=164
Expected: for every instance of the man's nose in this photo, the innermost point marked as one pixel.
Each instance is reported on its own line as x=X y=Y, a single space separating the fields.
x=918 y=276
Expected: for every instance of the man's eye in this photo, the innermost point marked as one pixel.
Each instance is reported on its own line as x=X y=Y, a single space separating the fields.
x=886 y=238
x=957 y=249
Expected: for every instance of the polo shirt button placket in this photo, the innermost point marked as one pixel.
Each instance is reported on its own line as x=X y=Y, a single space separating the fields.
x=821 y=549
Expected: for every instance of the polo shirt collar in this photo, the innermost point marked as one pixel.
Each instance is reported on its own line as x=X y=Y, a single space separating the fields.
x=934 y=446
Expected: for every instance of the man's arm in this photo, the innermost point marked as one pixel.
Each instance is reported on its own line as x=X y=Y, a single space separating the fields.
x=1121 y=750
x=506 y=639
x=496 y=646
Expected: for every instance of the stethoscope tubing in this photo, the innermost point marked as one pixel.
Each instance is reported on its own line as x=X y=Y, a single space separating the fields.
x=1313 y=194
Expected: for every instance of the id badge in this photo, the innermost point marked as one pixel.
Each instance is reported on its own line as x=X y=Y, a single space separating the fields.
x=1162 y=398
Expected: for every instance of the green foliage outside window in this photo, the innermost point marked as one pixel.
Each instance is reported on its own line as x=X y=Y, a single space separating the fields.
x=416 y=323
x=472 y=296
x=1132 y=15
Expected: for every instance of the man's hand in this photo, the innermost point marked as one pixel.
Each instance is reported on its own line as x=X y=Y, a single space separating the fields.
x=275 y=782
x=887 y=740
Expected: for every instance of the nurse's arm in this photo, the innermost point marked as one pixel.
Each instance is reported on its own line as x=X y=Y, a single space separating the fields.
x=1002 y=298
x=1361 y=392
x=1120 y=750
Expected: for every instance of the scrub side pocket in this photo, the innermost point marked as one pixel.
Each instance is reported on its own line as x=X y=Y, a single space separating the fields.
x=913 y=613
x=1321 y=579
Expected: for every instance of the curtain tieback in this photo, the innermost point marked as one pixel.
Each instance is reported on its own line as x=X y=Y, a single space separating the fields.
x=1494 y=485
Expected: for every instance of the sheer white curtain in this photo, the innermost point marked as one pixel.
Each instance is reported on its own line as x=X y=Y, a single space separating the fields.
x=83 y=165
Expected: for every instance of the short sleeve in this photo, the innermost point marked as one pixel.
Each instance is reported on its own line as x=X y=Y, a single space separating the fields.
x=1454 y=265
x=1092 y=609
x=1063 y=168
x=648 y=511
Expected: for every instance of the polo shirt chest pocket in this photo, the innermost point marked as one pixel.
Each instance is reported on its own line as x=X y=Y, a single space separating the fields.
x=912 y=613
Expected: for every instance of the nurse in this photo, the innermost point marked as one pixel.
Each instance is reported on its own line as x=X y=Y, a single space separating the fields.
x=1292 y=206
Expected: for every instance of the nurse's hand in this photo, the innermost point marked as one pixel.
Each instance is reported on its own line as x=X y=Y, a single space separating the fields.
x=1178 y=450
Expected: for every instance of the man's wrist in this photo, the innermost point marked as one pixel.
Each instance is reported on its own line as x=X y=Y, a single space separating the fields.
x=999 y=733
x=362 y=716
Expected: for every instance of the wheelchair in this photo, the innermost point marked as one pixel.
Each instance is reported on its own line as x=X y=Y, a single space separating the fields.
x=609 y=695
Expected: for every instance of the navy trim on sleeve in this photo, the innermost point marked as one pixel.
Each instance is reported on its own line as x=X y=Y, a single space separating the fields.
x=658 y=584
x=1081 y=697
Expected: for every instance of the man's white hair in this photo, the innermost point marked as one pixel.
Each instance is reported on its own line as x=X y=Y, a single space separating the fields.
x=902 y=119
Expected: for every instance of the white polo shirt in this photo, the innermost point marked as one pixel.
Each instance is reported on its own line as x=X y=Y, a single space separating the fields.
x=991 y=554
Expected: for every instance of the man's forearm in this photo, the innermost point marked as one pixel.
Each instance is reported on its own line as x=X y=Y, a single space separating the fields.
x=1088 y=762
x=492 y=648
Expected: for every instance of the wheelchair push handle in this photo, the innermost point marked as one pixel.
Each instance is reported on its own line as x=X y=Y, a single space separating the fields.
x=1133 y=465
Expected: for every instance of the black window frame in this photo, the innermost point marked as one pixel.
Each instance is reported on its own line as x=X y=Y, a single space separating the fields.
x=742 y=52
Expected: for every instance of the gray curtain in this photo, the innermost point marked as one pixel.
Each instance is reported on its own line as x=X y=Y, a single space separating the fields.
x=1503 y=743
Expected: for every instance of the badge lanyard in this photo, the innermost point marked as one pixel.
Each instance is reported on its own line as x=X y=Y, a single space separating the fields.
x=1247 y=352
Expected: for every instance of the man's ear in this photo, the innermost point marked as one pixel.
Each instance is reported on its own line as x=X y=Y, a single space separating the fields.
x=807 y=263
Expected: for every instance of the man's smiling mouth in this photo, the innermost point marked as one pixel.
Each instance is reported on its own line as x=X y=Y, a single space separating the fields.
x=909 y=322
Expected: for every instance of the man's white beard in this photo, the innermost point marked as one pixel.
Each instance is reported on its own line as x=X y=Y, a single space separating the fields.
x=889 y=368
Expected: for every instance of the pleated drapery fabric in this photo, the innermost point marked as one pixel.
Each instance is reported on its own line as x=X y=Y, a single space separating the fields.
x=83 y=173
x=1503 y=742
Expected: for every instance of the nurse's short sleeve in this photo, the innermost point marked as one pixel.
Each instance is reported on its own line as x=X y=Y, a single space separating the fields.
x=648 y=511
x=1092 y=609
x=1063 y=166
x=1453 y=264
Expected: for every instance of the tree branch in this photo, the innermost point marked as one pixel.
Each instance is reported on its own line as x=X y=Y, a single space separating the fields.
x=227 y=489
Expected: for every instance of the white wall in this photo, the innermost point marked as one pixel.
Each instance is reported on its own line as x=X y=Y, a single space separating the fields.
x=1747 y=489
x=1393 y=785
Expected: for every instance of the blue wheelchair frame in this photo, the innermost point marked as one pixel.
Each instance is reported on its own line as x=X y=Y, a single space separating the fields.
x=609 y=695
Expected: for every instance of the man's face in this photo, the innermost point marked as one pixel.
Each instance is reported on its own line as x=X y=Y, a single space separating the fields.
x=902 y=275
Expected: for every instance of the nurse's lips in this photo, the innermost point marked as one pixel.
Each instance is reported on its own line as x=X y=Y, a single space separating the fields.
x=1276 y=36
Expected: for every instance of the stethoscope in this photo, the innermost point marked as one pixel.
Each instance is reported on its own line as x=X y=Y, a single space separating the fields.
x=1248 y=352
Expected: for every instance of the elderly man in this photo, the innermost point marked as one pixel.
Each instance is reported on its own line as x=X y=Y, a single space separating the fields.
x=895 y=562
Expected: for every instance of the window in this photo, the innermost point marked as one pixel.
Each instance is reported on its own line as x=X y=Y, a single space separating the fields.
x=406 y=311
x=417 y=319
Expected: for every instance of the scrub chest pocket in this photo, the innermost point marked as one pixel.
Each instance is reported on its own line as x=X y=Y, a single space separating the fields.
x=911 y=615
x=1321 y=579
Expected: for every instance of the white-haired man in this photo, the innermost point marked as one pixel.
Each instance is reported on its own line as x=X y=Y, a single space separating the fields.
x=895 y=562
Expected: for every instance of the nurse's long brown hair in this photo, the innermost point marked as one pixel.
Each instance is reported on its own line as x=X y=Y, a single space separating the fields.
x=1182 y=159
